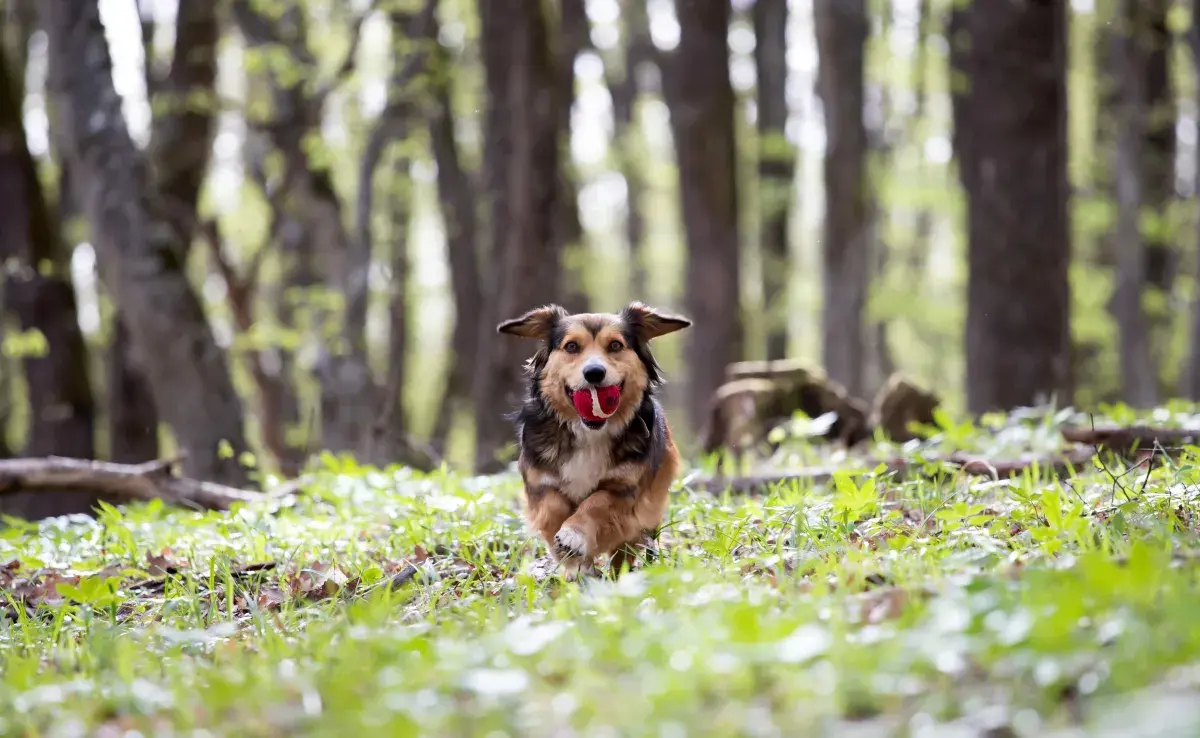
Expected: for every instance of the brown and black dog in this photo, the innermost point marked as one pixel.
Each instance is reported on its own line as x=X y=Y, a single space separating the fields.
x=596 y=453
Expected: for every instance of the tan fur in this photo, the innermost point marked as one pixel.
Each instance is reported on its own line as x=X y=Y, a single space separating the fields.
x=581 y=503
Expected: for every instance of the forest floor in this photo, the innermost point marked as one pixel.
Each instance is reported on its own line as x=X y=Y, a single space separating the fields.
x=931 y=604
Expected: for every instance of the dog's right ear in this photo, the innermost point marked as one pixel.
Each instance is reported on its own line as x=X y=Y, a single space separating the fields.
x=535 y=324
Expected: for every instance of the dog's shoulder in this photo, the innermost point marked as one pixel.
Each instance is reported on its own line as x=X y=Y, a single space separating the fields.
x=541 y=437
x=644 y=440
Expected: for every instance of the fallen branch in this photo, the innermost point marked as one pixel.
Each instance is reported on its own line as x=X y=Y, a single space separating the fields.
x=970 y=465
x=151 y=481
x=1127 y=439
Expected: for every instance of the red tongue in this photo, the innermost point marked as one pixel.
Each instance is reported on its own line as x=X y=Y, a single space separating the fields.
x=606 y=397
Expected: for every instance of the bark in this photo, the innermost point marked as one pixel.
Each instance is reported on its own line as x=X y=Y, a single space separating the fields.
x=776 y=168
x=397 y=349
x=139 y=251
x=1190 y=384
x=1139 y=375
x=457 y=197
x=701 y=104
x=1157 y=163
x=572 y=38
x=842 y=30
x=181 y=140
x=40 y=296
x=1010 y=138
x=638 y=50
x=521 y=164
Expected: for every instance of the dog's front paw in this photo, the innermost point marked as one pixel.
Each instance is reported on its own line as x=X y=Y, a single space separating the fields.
x=569 y=542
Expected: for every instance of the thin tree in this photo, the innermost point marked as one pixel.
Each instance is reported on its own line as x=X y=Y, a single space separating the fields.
x=776 y=167
x=842 y=29
x=458 y=200
x=1010 y=139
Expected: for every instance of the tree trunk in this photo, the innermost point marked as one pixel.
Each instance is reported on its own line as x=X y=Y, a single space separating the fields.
x=1157 y=164
x=521 y=164
x=1139 y=375
x=776 y=168
x=842 y=29
x=701 y=103
x=181 y=139
x=139 y=252
x=39 y=293
x=456 y=195
x=572 y=38
x=1190 y=384
x=1010 y=128
x=624 y=89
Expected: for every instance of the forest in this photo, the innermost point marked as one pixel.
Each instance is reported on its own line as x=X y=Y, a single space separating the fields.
x=936 y=405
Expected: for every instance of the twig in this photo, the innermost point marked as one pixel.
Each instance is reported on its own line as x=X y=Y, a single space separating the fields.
x=144 y=482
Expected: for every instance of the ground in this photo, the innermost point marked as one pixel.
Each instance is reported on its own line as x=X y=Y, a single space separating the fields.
x=876 y=604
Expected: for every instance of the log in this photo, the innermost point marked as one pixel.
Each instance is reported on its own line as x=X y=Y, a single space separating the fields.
x=899 y=404
x=144 y=482
x=761 y=395
x=971 y=465
x=1126 y=439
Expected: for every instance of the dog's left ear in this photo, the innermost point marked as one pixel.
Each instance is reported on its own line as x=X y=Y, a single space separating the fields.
x=536 y=323
x=649 y=323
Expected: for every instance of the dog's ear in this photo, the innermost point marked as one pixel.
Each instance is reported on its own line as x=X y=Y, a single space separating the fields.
x=648 y=323
x=536 y=323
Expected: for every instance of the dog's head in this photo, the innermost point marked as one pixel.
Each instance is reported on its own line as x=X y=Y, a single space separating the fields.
x=596 y=367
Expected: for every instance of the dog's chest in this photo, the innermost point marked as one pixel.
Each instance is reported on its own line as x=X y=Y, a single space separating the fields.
x=583 y=470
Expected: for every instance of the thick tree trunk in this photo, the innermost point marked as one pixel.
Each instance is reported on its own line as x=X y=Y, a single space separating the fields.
x=1010 y=139
x=184 y=107
x=521 y=164
x=132 y=415
x=41 y=297
x=776 y=168
x=139 y=251
x=842 y=29
x=456 y=195
x=701 y=102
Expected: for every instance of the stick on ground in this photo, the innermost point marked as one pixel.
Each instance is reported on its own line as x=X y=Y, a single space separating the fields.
x=150 y=481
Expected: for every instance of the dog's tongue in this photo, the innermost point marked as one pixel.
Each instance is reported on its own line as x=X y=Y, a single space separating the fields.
x=597 y=404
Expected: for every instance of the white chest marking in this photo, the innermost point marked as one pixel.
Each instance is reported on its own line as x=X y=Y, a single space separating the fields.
x=584 y=469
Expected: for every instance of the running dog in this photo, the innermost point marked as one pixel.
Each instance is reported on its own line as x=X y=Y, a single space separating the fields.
x=596 y=453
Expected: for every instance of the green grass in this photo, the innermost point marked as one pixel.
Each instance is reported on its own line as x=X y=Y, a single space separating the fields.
x=873 y=603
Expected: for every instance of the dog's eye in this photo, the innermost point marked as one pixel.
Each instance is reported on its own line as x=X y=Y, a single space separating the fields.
x=571 y=347
x=615 y=346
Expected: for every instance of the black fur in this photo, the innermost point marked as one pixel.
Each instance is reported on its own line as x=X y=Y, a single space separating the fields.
x=544 y=436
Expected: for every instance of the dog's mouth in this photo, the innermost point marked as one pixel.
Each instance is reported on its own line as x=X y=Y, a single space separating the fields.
x=596 y=405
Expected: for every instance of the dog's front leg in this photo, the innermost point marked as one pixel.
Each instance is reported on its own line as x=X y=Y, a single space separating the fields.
x=546 y=509
x=603 y=522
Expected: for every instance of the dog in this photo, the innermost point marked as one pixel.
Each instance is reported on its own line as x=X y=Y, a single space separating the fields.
x=596 y=454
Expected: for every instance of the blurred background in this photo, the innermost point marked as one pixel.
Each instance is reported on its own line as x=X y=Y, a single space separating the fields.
x=256 y=230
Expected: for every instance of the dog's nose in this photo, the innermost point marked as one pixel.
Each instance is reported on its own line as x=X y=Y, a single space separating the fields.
x=594 y=374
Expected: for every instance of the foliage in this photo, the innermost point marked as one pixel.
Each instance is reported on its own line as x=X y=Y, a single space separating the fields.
x=892 y=603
